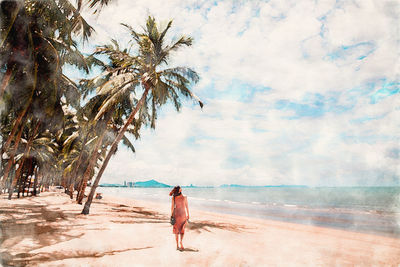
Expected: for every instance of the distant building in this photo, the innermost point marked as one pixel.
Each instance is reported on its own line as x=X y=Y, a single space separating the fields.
x=124 y=183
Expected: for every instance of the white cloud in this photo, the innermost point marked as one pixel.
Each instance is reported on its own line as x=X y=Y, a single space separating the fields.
x=283 y=46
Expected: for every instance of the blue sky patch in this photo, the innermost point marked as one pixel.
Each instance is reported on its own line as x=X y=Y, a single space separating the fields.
x=313 y=106
x=366 y=138
x=235 y=90
x=388 y=89
x=357 y=51
x=368 y=118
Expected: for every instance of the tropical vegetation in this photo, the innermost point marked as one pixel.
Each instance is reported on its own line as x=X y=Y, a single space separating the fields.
x=55 y=131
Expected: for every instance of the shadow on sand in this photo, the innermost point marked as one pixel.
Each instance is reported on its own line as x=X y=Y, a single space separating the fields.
x=34 y=221
x=24 y=259
x=206 y=225
x=189 y=250
x=140 y=215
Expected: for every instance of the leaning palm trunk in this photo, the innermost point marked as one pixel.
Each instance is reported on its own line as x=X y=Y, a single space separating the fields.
x=92 y=161
x=78 y=164
x=17 y=123
x=19 y=180
x=79 y=189
x=71 y=188
x=93 y=158
x=11 y=159
x=6 y=81
x=17 y=177
x=113 y=149
x=64 y=182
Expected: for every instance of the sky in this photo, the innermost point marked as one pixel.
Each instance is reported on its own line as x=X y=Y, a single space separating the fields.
x=295 y=92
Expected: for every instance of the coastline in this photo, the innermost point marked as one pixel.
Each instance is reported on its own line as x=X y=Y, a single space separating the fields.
x=49 y=230
x=371 y=217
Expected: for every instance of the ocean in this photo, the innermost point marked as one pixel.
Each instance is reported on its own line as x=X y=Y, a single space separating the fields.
x=363 y=209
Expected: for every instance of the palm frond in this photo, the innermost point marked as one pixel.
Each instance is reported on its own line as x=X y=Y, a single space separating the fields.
x=128 y=143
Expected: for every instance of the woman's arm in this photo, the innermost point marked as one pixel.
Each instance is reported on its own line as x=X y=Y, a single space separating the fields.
x=187 y=208
x=172 y=206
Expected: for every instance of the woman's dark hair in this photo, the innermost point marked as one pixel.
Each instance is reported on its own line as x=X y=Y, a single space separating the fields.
x=175 y=191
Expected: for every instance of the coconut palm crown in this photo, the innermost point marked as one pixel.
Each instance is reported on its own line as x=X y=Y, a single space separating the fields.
x=149 y=71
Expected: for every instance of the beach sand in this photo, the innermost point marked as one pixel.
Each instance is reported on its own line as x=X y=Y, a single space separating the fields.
x=50 y=231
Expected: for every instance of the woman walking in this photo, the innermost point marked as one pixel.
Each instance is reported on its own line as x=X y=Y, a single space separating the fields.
x=180 y=211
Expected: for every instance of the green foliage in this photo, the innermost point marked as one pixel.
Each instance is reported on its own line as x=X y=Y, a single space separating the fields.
x=37 y=38
x=43 y=121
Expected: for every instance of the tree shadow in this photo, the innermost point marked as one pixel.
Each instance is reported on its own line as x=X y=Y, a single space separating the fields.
x=198 y=226
x=24 y=259
x=148 y=216
x=138 y=221
x=32 y=224
x=32 y=221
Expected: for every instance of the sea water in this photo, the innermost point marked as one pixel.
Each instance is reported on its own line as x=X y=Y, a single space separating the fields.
x=364 y=209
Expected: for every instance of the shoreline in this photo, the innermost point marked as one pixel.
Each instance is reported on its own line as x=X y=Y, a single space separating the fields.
x=382 y=223
x=49 y=230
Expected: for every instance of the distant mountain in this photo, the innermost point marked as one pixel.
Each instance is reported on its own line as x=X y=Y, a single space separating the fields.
x=150 y=183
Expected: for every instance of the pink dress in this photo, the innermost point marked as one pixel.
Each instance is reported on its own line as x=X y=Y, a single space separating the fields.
x=180 y=215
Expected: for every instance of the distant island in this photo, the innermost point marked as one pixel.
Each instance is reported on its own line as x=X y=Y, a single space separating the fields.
x=150 y=183
x=155 y=184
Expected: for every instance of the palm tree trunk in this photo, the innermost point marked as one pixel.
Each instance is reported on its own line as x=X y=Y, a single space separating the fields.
x=19 y=183
x=15 y=128
x=23 y=185
x=6 y=80
x=81 y=193
x=79 y=189
x=67 y=180
x=28 y=174
x=26 y=154
x=64 y=183
x=14 y=181
x=29 y=186
x=71 y=188
x=30 y=182
x=35 y=182
x=92 y=161
x=11 y=159
x=78 y=164
x=113 y=149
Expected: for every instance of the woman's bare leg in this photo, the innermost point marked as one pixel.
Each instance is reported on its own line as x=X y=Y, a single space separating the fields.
x=177 y=237
x=181 y=241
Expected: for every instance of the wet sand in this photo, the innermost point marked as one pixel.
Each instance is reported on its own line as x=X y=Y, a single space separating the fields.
x=50 y=231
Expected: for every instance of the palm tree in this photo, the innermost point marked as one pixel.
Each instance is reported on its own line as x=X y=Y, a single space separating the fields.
x=24 y=156
x=42 y=151
x=107 y=118
x=37 y=38
x=147 y=71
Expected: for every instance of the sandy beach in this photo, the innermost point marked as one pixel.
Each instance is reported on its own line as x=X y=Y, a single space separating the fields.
x=50 y=231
